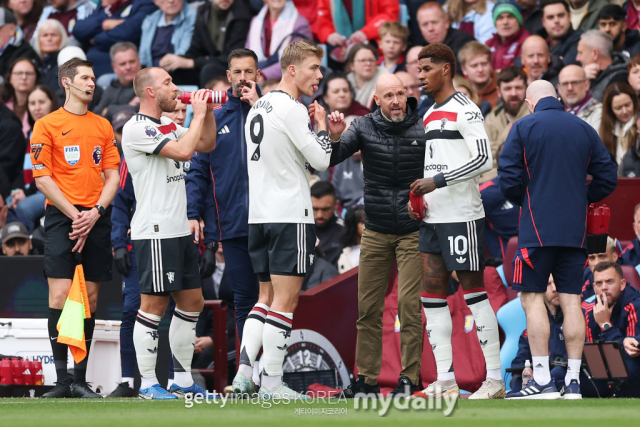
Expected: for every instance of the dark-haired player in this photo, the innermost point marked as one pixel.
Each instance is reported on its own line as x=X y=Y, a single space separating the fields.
x=452 y=232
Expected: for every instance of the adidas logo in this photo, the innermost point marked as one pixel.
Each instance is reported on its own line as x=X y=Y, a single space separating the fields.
x=225 y=129
x=460 y=260
x=507 y=205
x=539 y=365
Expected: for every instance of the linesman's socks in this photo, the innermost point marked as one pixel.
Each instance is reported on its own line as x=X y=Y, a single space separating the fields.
x=252 y=338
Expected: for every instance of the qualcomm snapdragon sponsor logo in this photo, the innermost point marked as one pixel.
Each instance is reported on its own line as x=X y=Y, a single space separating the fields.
x=436 y=167
x=175 y=178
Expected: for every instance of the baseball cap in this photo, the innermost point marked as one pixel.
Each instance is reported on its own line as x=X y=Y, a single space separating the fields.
x=70 y=52
x=7 y=17
x=120 y=118
x=14 y=230
x=510 y=6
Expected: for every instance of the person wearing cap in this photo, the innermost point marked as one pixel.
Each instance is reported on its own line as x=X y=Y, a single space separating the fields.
x=506 y=43
x=12 y=43
x=15 y=240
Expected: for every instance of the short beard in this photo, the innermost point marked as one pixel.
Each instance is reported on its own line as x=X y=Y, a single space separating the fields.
x=394 y=119
x=167 y=105
x=237 y=89
x=512 y=111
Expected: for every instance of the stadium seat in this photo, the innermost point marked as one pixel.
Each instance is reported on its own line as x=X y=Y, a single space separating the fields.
x=513 y=322
x=512 y=247
x=631 y=276
x=185 y=88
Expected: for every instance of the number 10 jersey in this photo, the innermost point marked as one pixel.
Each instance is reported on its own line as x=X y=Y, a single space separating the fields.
x=280 y=145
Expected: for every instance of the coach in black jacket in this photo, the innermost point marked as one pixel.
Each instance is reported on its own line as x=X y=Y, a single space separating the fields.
x=392 y=141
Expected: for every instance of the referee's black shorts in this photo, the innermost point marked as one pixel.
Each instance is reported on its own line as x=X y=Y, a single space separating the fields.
x=60 y=262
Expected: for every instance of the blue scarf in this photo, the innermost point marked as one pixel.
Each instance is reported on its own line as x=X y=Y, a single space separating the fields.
x=344 y=25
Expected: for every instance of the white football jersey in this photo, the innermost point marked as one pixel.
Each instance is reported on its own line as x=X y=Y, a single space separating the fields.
x=280 y=144
x=158 y=182
x=457 y=153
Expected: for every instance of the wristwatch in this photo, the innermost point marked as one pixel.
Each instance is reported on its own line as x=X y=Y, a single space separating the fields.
x=605 y=326
x=100 y=210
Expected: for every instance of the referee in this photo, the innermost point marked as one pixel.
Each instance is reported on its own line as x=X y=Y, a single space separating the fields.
x=71 y=149
x=543 y=168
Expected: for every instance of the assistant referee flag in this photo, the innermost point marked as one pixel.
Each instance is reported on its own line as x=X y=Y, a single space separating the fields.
x=76 y=309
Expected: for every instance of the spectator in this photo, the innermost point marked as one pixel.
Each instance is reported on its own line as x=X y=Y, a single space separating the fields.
x=557 y=348
x=12 y=147
x=269 y=35
x=12 y=43
x=27 y=13
x=630 y=166
x=620 y=108
x=393 y=43
x=506 y=43
x=112 y=22
x=120 y=94
x=538 y=62
x=595 y=258
x=601 y=64
x=348 y=177
x=167 y=31
x=502 y=219
x=20 y=78
x=15 y=240
x=584 y=13
x=475 y=63
x=512 y=85
x=69 y=12
x=220 y=83
x=322 y=271
x=633 y=12
x=269 y=85
x=48 y=39
x=532 y=16
x=613 y=318
x=328 y=226
x=338 y=95
x=474 y=17
x=364 y=73
x=121 y=118
x=611 y=20
x=631 y=254
x=411 y=63
x=634 y=73
x=28 y=201
x=342 y=24
x=573 y=87
x=179 y=115
x=435 y=27
x=7 y=215
x=557 y=31
x=221 y=26
x=466 y=88
x=351 y=236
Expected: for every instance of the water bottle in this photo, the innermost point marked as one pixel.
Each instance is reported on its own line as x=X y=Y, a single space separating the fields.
x=527 y=374
x=215 y=96
x=38 y=376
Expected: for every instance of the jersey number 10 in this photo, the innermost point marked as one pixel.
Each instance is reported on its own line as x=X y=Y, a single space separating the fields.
x=256 y=131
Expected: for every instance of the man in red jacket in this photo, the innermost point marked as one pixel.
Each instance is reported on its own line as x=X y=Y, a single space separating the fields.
x=506 y=44
x=352 y=21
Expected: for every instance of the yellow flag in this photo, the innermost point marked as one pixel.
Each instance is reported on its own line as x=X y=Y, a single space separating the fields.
x=76 y=309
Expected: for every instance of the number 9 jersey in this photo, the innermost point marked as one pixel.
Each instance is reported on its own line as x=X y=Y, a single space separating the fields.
x=280 y=145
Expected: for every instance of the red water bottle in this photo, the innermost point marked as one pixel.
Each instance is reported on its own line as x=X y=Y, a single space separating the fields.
x=417 y=204
x=6 y=371
x=16 y=365
x=27 y=374
x=215 y=96
x=38 y=375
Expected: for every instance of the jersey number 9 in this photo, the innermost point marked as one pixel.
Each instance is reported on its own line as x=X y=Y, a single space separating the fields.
x=256 y=131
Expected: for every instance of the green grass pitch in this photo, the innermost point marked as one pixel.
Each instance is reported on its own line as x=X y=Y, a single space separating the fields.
x=139 y=413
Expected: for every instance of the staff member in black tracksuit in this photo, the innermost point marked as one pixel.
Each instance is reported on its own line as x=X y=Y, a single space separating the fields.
x=392 y=142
